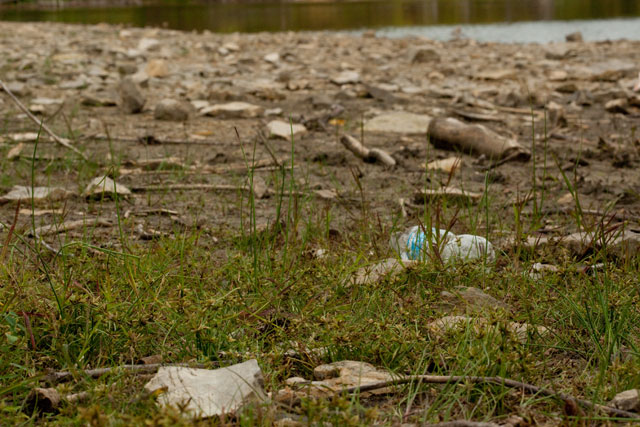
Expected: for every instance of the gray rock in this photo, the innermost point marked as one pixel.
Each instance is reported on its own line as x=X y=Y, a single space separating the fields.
x=95 y=71
x=171 y=110
x=569 y=87
x=207 y=393
x=346 y=373
x=103 y=186
x=140 y=78
x=574 y=37
x=619 y=105
x=424 y=55
x=346 y=77
x=539 y=270
x=127 y=69
x=18 y=89
x=497 y=74
x=628 y=400
x=380 y=94
x=284 y=130
x=610 y=71
x=399 y=122
x=273 y=58
x=558 y=75
x=97 y=100
x=273 y=111
x=234 y=110
x=377 y=272
x=520 y=330
x=321 y=101
x=131 y=100
x=325 y=372
x=619 y=243
x=157 y=68
x=78 y=83
x=558 y=51
x=39 y=194
x=472 y=299
x=147 y=44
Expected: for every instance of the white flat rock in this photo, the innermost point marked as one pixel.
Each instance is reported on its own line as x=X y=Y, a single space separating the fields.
x=103 y=185
x=208 y=393
x=273 y=58
x=233 y=110
x=25 y=194
x=284 y=130
x=399 y=122
x=146 y=44
x=346 y=77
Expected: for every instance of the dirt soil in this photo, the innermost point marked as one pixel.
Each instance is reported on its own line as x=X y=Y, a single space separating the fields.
x=332 y=84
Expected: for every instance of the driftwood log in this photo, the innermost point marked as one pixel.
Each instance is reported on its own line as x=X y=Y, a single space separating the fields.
x=452 y=134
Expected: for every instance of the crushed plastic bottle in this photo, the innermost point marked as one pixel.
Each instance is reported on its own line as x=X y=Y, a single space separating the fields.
x=414 y=244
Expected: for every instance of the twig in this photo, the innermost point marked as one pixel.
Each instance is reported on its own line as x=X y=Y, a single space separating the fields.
x=57 y=377
x=7 y=241
x=367 y=154
x=76 y=397
x=513 y=156
x=259 y=164
x=62 y=141
x=446 y=379
x=461 y=423
x=150 y=140
x=173 y=187
x=27 y=324
x=70 y=225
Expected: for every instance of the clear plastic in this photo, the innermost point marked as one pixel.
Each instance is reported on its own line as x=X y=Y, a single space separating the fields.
x=415 y=244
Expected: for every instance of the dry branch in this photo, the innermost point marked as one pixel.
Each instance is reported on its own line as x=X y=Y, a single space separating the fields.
x=451 y=379
x=461 y=423
x=57 y=377
x=367 y=154
x=62 y=141
x=70 y=225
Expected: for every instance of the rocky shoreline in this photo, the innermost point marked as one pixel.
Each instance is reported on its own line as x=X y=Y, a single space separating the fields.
x=209 y=96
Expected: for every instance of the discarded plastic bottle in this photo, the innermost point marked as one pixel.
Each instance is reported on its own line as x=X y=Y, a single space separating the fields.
x=414 y=244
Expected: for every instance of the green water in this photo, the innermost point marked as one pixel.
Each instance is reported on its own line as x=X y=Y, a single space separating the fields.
x=247 y=16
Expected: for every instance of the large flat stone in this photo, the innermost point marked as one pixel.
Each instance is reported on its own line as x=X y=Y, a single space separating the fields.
x=233 y=110
x=399 y=122
x=207 y=393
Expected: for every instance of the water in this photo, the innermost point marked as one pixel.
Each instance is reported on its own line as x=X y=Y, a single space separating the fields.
x=515 y=20
x=527 y=32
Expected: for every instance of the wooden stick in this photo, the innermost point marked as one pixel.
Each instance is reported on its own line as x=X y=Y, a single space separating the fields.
x=62 y=141
x=141 y=140
x=461 y=423
x=70 y=225
x=513 y=156
x=57 y=377
x=447 y=379
x=366 y=154
x=185 y=187
x=7 y=242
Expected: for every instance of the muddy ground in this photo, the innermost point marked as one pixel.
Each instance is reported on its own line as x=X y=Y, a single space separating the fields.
x=331 y=83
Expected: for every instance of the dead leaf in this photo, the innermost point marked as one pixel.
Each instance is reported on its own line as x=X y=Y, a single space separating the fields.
x=449 y=165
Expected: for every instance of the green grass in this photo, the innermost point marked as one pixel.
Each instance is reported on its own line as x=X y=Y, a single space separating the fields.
x=221 y=296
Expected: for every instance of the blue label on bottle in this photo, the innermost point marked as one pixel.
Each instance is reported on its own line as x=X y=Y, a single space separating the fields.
x=415 y=243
